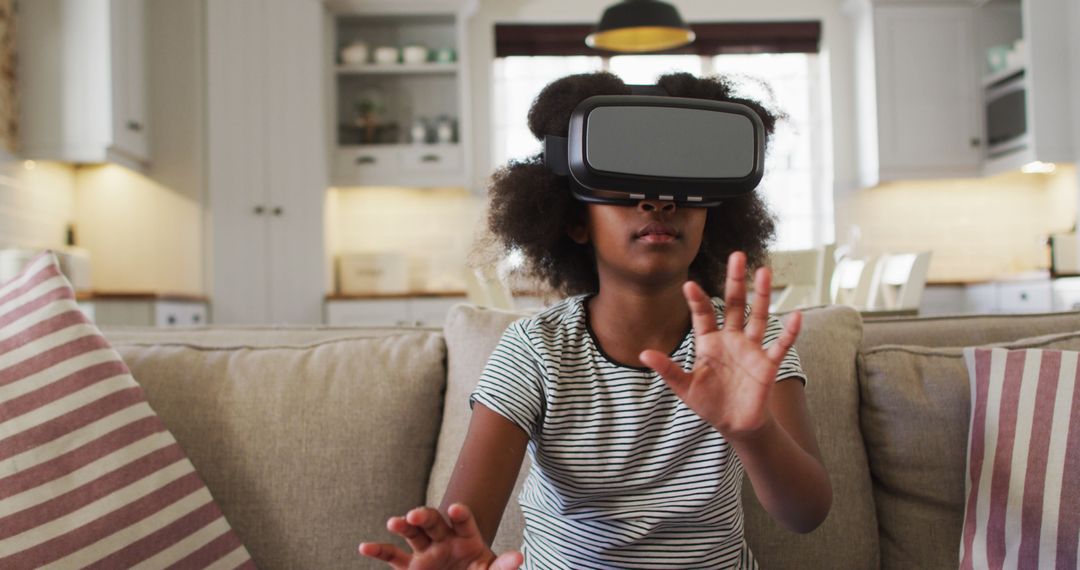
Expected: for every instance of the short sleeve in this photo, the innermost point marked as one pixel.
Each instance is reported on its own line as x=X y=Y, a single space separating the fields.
x=512 y=383
x=791 y=366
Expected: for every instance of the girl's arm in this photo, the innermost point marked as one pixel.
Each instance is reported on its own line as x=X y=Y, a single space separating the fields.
x=486 y=469
x=472 y=507
x=784 y=464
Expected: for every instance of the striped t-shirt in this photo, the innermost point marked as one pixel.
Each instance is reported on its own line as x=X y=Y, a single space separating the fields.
x=624 y=475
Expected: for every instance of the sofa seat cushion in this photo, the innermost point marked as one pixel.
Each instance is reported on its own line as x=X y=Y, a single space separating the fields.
x=914 y=410
x=309 y=438
x=827 y=347
x=89 y=475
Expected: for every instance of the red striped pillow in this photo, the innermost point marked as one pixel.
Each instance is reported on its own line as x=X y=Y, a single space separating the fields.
x=89 y=476
x=1023 y=463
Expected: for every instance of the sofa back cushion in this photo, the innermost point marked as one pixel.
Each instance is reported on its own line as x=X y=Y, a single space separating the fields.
x=914 y=412
x=965 y=330
x=308 y=438
x=827 y=347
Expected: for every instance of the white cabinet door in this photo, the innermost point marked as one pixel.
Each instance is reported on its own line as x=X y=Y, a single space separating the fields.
x=375 y=313
x=129 y=78
x=1025 y=296
x=925 y=107
x=82 y=81
x=266 y=160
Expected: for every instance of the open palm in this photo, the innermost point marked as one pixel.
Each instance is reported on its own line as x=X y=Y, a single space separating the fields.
x=453 y=543
x=733 y=373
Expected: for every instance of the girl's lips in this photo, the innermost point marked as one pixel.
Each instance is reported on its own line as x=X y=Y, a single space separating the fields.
x=657 y=238
x=657 y=232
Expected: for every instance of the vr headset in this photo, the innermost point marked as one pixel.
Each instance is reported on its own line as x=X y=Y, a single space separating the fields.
x=625 y=148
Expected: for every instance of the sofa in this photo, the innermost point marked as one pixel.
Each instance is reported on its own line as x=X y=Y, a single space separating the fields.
x=309 y=438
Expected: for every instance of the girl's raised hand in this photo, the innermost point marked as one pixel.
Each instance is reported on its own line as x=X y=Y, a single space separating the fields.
x=733 y=374
x=437 y=545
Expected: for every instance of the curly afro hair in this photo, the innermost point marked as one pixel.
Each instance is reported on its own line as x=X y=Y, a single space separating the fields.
x=532 y=209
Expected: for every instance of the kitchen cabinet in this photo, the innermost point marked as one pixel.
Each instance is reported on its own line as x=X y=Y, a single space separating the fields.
x=917 y=97
x=410 y=311
x=266 y=160
x=1043 y=74
x=146 y=312
x=82 y=80
x=400 y=119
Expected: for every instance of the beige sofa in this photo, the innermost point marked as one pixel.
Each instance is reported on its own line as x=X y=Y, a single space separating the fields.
x=309 y=438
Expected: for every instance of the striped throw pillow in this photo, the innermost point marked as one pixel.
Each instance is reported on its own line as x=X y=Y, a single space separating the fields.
x=89 y=476
x=1023 y=462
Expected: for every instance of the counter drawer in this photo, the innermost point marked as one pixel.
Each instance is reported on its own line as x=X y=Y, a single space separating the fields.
x=1025 y=297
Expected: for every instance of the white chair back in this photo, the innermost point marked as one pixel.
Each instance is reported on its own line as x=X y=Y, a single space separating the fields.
x=851 y=280
x=899 y=280
x=799 y=277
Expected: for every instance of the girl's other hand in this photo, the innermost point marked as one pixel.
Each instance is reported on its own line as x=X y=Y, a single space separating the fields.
x=733 y=374
x=437 y=545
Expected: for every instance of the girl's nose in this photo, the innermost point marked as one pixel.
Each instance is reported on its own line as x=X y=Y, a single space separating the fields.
x=666 y=206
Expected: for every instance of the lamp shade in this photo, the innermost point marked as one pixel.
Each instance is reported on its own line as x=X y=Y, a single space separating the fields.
x=639 y=26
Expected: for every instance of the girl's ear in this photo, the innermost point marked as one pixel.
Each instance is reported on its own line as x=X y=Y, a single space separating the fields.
x=579 y=233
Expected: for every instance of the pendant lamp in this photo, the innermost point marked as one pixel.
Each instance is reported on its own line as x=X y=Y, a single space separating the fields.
x=638 y=26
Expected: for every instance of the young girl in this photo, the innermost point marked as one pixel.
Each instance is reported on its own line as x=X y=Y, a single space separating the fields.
x=641 y=398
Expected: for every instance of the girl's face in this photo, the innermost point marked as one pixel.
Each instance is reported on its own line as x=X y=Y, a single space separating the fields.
x=652 y=243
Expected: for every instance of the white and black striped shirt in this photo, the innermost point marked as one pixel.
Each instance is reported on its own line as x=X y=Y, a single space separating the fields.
x=624 y=474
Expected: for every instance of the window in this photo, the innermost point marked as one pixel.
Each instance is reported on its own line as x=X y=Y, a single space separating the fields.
x=796 y=184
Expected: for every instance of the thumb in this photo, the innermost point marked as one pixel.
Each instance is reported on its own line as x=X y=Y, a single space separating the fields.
x=507 y=561
x=672 y=373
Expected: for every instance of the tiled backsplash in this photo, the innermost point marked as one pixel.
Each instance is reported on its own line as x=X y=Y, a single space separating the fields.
x=434 y=228
x=37 y=202
x=978 y=229
x=142 y=236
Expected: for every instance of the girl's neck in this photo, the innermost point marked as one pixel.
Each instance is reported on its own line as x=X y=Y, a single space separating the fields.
x=627 y=320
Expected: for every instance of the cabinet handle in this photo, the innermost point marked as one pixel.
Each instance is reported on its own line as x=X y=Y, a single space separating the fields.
x=134 y=126
x=259 y=210
x=171 y=320
x=196 y=318
x=365 y=159
x=429 y=158
x=1023 y=296
x=976 y=142
x=278 y=210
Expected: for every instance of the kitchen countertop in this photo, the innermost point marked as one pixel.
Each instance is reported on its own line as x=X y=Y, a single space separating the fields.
x=139 y=296
x=405 y=295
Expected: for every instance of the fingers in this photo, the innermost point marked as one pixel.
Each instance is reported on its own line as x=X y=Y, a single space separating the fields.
x=672 y=373
x=759 y=309
x=508 y=561
x=735 y=292
x=787 y=337
x=701 y=308
x=417 y=539
x=464 y=525
x=430 y=522
x=388 y=553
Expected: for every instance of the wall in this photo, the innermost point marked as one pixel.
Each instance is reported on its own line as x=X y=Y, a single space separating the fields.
x=978 y=229
x=142 y=236
x=434 y=228
x=36 y=203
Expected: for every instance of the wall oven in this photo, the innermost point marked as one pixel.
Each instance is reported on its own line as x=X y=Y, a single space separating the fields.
x=1006 y=115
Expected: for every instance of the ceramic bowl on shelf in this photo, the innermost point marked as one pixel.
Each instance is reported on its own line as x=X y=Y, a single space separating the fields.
x=445 y=55
x=414 y=54
x=354 y=53
x=386 y=54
